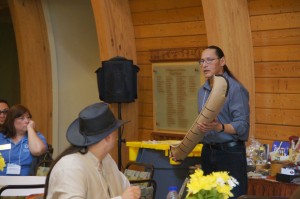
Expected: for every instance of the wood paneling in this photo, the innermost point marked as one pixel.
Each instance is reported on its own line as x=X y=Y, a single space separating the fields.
x=275 y=132
x=145 y=70
x=281 y=117
x=276 y=37
x=263 y=7
x=277 y=53
x=145 y=96
x=168 y=16
x=145 y=134
x=170 y=42
x=275 y=28
x=34 y=62
x=170 y=29
x=146 y=122
x=160 y=26
x=275 y=21
x=145 y=109
x=145 y=83
x=143 y=57
x=277 y=85
x=154 y=5
x=277 y=100
x=277 y=69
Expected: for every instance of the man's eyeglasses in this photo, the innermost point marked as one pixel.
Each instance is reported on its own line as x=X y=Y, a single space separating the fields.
x=4 y=112
x=207 y=61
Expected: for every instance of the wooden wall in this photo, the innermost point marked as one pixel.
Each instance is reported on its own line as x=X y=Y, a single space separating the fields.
x=162 y=25
x=275 y=28
x=165 y=24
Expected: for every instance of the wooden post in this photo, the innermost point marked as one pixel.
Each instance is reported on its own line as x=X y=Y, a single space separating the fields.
x=34 y=62
x=116 y=38
x=228 y=26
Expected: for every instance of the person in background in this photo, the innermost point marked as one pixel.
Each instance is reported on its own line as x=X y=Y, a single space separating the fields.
x=86 y=169
x=19 y=142
x=3 y=110
x=224 y=140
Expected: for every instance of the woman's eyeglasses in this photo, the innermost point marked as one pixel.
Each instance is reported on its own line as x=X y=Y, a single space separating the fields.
x=4 y=111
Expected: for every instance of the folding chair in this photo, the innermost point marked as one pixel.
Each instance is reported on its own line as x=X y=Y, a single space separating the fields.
x=149 y=191
x=141 y=174
x=44 y=162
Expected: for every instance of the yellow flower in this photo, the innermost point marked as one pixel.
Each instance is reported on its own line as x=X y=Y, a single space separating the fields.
x=2 y=162
x=217 y=185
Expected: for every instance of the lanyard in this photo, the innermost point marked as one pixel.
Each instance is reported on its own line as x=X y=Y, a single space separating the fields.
x=19 y=151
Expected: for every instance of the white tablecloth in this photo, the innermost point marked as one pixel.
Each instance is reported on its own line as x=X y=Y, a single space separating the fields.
x=21 y=180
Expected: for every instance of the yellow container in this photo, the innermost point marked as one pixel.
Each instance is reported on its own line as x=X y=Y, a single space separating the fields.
x=134 y=148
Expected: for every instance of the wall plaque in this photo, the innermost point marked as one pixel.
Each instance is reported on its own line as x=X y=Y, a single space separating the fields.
x=175 y=87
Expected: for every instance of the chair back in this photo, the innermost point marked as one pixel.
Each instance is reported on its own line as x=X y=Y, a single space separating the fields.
x=141 y=174
x=43 y=162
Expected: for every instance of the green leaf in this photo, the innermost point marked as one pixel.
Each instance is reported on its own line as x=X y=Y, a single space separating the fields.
x=195 y=196
x=205 y=194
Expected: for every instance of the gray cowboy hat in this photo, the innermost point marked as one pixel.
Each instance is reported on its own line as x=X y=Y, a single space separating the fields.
x=94 y=123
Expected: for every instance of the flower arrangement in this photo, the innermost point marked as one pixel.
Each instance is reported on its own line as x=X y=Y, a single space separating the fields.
x=2 y=163
x=217 y=185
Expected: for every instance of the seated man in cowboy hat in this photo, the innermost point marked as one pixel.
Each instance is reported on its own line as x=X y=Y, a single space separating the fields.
x=85 y=169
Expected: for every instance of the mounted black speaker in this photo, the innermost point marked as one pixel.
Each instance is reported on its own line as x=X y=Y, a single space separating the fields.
x=117 y=80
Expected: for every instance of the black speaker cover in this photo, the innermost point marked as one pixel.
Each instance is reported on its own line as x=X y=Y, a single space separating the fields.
x=117 y=80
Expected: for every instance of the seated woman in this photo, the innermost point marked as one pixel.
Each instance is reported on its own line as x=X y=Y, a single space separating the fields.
x=19 y=142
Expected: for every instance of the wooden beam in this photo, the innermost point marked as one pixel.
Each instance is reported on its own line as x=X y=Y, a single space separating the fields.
x=116 y=38
x=228 y=26
x=34 y=62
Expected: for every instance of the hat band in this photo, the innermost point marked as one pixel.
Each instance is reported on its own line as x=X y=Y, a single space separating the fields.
x=91 y=133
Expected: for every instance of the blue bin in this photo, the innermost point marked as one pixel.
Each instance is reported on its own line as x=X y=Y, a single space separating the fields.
x=166 y=174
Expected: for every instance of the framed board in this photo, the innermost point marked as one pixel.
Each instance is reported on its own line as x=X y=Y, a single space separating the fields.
x=175 y=88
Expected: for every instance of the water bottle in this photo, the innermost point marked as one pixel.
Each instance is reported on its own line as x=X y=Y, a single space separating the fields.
x=172 y=194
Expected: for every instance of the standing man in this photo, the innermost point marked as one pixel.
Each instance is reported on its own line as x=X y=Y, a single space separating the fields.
x=86 y=170
x=3 y=110
x=224 y=141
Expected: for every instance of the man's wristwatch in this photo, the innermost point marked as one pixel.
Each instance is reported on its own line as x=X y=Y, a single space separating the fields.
x=222 y=130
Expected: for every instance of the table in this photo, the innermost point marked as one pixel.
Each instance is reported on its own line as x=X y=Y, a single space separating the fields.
x=22 y=180
x=264 y=187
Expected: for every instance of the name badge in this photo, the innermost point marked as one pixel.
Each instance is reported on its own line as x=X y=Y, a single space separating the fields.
x=13 y=169
x=5 y=146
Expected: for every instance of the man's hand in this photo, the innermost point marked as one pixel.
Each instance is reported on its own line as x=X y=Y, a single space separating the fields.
x=132 y=192
x=208 y=126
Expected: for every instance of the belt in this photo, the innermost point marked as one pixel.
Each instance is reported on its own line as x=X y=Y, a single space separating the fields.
x=224 y=145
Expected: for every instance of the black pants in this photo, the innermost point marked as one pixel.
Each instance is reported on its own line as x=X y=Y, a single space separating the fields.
x=231 y=159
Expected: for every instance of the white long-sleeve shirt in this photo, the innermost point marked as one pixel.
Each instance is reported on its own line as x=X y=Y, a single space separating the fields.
x=79 y=176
